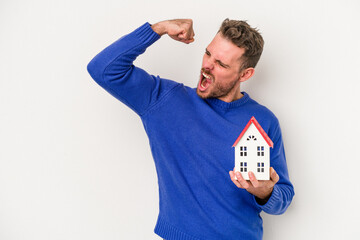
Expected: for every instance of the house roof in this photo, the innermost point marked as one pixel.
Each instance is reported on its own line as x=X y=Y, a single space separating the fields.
x=259 y=128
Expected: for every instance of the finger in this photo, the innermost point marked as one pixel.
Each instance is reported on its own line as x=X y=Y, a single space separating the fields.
x=189 y=29
x=232 y=176
x=189 y=41
x=185 y=34
x=191 y=37
x=242 y=181
x=190 y=34
x=175 y=37
x=273 y=175
x=181 y=39
x=187 y=37
x=185 y=40
x=253 y=180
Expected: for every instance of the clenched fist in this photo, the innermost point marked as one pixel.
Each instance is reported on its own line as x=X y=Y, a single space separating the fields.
x=178 y=29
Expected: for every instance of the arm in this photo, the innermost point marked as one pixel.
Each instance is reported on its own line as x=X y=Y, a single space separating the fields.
x=273 y=196
x=113 y=67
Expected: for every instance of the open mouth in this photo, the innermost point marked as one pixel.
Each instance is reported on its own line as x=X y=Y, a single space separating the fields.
x=205 y=81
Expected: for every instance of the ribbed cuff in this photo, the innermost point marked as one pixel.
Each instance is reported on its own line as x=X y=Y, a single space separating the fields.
x=146 y=34
x=275 y=195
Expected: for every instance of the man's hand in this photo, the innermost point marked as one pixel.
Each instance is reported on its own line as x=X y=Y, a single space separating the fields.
x=178 y=29
x=261 y=189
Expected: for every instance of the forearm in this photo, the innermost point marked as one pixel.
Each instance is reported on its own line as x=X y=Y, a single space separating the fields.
x=113 y=70
x=116 y=60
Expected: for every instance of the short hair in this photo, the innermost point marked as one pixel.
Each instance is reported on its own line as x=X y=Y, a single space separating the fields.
x=244 y=36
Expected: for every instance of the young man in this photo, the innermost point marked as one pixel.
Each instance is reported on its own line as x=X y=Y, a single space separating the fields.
x=191 y=132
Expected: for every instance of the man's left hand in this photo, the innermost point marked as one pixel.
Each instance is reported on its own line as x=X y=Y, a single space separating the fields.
x=262 y=189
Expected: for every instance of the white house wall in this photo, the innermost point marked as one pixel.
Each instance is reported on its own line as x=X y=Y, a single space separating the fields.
x=252 y=159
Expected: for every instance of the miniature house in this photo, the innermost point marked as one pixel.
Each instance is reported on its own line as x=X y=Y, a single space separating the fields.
x=252 y=151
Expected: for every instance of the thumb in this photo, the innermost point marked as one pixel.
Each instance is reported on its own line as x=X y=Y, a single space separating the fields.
x=273 y=175
x=182 y=35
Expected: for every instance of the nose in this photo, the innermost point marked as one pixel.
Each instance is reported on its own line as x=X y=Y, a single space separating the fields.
x=208 y=63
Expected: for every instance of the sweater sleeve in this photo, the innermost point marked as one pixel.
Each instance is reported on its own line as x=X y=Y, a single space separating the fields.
x=283 y=191
x=113 y=70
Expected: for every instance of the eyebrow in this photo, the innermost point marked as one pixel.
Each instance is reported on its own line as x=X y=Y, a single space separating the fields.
x=218 y=61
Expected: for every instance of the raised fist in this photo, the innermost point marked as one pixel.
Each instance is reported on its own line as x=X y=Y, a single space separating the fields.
x=178 y=29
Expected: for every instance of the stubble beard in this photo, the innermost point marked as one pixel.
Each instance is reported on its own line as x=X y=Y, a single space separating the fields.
x=217 y=90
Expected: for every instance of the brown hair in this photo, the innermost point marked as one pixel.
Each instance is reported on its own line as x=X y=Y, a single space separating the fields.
x=242 y=35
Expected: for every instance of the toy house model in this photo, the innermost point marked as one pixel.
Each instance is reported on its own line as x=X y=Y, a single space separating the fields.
x=252 y=151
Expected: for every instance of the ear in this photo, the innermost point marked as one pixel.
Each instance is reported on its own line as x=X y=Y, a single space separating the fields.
x=246 y=74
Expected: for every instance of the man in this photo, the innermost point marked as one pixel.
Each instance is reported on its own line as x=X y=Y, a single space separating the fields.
x=191 y=132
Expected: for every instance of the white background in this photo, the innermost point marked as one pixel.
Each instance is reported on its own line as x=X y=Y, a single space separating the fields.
x=75 y=162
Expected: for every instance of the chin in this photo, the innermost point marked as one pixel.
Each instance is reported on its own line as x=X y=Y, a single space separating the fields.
x=202 y=94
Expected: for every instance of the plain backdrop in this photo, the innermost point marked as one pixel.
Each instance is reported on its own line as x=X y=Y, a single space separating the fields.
x=75 y=162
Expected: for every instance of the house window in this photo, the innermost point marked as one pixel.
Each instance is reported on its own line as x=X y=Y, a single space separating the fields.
x=260 y=167
x=243 y=151
x=243 y=166
x=260 y=150
x=251 y=137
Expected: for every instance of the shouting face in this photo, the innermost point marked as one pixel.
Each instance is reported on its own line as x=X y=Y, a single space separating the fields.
x=220 y=73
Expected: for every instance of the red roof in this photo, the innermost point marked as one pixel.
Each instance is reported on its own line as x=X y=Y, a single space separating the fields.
x=259 y=128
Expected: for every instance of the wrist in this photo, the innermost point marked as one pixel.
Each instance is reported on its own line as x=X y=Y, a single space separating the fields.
x=263 y=198
x=262 y=201
x=159 y=28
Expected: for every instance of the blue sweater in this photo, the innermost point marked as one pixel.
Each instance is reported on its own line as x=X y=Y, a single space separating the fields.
x=191 y=142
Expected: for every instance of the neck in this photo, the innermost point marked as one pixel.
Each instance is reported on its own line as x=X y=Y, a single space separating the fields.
x=232 y=96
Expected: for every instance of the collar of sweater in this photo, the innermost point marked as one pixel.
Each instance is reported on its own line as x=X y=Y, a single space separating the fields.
x=228 y=105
